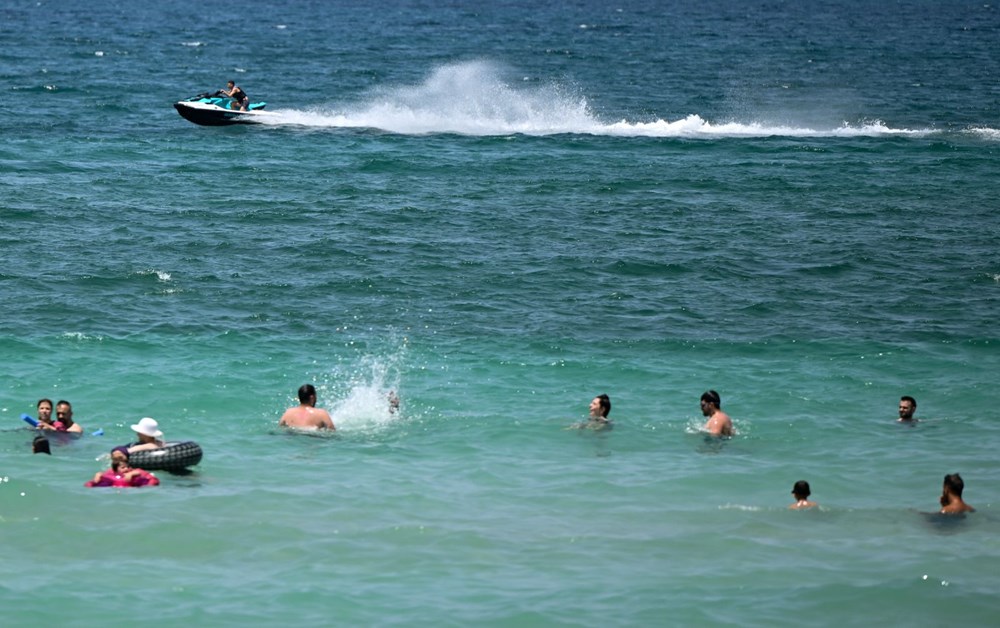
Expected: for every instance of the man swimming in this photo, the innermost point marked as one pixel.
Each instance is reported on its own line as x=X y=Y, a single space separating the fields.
x=801 y=494
x=64 y=415
x=907 y=406
x=951 y=496
x=719 y=423
x=306 y=415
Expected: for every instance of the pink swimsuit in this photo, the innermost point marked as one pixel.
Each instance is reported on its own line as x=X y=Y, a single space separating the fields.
x=115 y=479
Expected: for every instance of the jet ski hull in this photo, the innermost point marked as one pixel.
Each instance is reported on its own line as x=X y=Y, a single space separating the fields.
x=211 y=114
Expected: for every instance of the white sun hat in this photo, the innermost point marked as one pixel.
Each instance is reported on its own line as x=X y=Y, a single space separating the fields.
x=148 y=427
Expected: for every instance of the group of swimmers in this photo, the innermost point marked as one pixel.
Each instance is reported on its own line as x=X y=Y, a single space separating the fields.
x=306 y=416
x=64 y=417
x=148 y=434
x=719 y=424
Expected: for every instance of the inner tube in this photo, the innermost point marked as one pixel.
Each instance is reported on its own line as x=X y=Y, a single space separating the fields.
x=170 y=457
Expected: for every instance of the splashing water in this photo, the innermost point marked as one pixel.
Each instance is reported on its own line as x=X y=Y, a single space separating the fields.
x=474 y=98
x=360 y=395
x=468 y=98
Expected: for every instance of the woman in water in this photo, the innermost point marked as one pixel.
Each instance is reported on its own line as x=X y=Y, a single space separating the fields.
x=150 y=436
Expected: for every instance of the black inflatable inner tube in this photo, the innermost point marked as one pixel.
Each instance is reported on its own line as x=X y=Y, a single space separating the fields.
x=171 y=457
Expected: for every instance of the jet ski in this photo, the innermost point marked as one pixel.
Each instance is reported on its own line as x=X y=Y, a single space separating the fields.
x=218 y=109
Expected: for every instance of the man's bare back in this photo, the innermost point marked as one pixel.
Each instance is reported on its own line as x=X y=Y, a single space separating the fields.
x=719 y=424
x=307 y=417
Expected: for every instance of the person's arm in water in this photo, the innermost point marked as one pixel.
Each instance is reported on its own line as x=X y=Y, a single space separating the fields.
x=326 y=421
x=141 y=477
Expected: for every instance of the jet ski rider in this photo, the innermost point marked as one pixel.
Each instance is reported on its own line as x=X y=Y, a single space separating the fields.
x=238 y=95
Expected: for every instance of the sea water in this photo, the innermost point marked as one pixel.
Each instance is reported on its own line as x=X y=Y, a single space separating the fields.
x=500 y=210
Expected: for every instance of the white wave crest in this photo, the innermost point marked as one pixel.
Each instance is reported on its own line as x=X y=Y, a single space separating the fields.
x=986 y=133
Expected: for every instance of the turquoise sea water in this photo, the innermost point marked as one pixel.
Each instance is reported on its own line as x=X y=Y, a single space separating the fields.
x=501 y=210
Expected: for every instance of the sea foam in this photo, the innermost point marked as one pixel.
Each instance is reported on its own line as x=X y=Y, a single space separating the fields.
x=476 y=98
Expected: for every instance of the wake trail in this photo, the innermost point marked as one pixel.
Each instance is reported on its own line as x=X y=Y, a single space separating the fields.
x=473 y=98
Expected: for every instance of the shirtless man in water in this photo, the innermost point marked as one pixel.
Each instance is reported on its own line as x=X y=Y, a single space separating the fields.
x=64 y=415
x=907 y=406
x=801 y=493
x=306 y=415
x=719 y=423
x=951 y=496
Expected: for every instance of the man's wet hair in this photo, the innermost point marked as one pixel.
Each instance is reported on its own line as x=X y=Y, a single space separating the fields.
x=306 y=391
x=910 y=399
x=712 y=397
x=801 y=488
x=605 y=402
x=954 y=483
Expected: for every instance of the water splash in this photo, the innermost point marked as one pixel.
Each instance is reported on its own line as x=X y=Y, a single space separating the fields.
x=362 y=393
x=476 y=98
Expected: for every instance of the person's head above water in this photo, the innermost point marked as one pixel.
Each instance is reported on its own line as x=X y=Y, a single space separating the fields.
x=954 y=484
x=119 y=456
x=147 y=429
x=64 y=412
x=307 y=394
x=801 y=490
x=41 y=445
x=907 y=406
x=45 y=410
x=600 y=406
x=710 y=402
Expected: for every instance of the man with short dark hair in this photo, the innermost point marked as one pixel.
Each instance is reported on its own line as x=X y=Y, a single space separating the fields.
x=238 y=95
x=801 y=493
x=907 y=406
x=951 y=496
x=64 y=415
x=719 y=423
x=306 y=415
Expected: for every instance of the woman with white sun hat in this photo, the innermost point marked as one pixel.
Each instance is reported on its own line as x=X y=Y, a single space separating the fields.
x=150 y=436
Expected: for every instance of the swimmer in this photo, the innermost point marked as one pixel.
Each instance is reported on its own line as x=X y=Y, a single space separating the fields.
x=600 y=407
x=45 y=415
x=907 y=406
x=64 y=415
x=393 y=402
x=951 y=496
x=40 y=445
x=801 y=493
x=150 y=436
x=306 y=415
x=719 y=423
x=121 y=474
